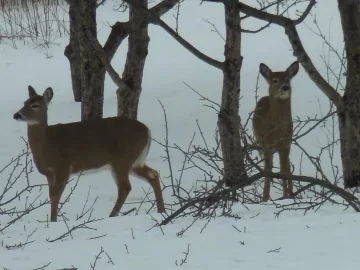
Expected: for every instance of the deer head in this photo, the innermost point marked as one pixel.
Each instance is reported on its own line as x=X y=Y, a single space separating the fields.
x=35 y=107
x=279 y=82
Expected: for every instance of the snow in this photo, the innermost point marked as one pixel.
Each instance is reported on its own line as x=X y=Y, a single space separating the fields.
x=325 y=239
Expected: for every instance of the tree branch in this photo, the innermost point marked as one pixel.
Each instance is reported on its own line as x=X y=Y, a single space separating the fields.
x=152 y=18
x=309 y=67
x=105 y=60
x=299 y=51
x=216 y=196
x=305 y=13
x=99 y=4
x=120 y=30
x=70 y=2
x=163 y=7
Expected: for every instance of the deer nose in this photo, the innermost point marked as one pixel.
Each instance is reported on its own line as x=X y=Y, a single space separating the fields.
x=285 y=88
x=17 y=116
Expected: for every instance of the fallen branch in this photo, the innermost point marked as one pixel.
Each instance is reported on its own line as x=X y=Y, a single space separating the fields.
x=214 y=197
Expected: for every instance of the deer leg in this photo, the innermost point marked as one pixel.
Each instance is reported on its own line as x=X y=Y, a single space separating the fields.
x=50 y=179
x=60 y=179
x=152 y=177
x=268 y=161
x=285 y=170
x=121 y=177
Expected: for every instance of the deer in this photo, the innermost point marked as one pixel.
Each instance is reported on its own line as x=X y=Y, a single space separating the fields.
x=273 y=126
x=119 y=144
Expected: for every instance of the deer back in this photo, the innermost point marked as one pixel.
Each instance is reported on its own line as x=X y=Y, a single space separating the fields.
x=96 y=143
x=81 y=146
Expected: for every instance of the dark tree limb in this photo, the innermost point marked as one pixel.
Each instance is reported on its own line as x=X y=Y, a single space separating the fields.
x=154 y=19
x=105 y=60
x=138 y=43
x=72 y=53
x=121 y=30
x=228 y=118
x=87 y=64
x=101 y=3
x=216 y=196
x=349 y=117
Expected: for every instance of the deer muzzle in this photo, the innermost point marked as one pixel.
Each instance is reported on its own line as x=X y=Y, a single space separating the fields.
x=285 y=88
x=18 y=117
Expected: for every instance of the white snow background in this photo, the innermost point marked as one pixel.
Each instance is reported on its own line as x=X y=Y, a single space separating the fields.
x=326 y=239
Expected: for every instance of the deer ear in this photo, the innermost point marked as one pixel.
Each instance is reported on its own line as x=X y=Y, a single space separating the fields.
x=32 y=91
x=48 y=95
x=265 y=71
x=293 y=69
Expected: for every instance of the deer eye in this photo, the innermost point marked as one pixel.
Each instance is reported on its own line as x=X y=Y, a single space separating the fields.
x=275 y=80
x=35 y=106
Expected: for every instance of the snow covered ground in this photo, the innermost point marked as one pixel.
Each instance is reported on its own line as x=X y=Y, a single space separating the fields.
x=325 y=239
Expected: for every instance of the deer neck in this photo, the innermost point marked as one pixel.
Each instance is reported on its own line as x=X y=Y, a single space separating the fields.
x=37 y=135
x=37 y=130
x=280 y=108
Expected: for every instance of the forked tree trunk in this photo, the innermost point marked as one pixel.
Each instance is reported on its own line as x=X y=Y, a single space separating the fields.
x=128 y=99
x=72 y=52
x=229 y=119
x=349 y=117
x=138 y=41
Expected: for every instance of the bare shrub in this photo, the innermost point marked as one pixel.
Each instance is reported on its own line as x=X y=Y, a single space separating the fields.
x=19 y=196
x=40 y=21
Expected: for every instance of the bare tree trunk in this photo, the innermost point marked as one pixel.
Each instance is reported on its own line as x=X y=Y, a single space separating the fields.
x=72 y=52
x=229 y=119
x=92 y=69
x=349 y=117
x=84 y=14
x=128 y=98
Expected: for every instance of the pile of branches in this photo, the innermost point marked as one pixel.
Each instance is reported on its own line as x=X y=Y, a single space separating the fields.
x=211 y=198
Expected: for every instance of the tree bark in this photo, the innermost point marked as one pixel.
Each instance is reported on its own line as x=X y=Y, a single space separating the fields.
x=89 y=68
x=92 y=68
x=72 y=52
x=229 y=119
x=349 y=115
x=138 y=41
x=81 y=68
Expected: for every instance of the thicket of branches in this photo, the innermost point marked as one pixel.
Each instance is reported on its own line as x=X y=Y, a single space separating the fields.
x=41 y=22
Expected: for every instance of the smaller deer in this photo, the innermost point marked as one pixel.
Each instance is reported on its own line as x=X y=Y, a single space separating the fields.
x=273 y=126
x=118 y=143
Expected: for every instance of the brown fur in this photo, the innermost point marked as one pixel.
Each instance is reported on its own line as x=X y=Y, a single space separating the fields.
x=272 y=123
x=64 y=149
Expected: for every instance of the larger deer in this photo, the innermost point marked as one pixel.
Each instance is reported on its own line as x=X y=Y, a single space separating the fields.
x=65 y=149
x=273 y=126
